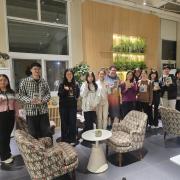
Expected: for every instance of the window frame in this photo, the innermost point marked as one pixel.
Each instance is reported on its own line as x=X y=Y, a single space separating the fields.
x=42 y=57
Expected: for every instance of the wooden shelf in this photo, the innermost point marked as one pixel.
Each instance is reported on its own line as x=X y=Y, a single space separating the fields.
x=135 y=54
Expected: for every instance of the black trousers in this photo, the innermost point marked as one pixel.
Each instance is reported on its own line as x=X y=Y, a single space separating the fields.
x=7 y=120
x=146 y=108
x=90 y=118
x=127 y=107
x=178 y=105
x=39 y=126
x=68 y=124
x=156 y=102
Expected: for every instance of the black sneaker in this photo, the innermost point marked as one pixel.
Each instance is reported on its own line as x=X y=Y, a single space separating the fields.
x=58 y=140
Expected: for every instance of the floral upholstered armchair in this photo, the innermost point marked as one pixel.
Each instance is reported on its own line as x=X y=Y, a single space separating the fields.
x=43 y=160
x=170 y=120
x=128 y=135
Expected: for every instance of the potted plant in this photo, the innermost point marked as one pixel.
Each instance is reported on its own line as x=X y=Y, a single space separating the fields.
x=80 y=70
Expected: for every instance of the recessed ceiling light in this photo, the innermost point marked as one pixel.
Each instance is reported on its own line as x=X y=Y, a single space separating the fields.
x=144 y=3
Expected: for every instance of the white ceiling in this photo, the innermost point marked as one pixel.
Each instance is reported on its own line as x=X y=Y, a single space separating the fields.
x=169 y=8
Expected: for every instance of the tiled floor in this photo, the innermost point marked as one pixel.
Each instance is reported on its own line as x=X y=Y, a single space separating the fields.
x=154 y=166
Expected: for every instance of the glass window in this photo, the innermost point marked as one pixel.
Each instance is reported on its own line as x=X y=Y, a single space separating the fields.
x=22 y=70
x=54 y=11
x=55 y=72
x=31 y=38
x=22 y=9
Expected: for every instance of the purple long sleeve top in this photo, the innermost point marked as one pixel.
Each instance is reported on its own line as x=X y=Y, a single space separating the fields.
x=128 y=95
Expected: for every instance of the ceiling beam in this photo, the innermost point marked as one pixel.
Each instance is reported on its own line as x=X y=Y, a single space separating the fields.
x=146 y=9
x=159 y=3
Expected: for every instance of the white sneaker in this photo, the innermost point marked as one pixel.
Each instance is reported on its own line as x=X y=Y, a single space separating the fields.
x=72 y=144
x=8 y=161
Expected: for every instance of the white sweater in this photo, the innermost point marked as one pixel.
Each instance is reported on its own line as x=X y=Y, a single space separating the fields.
x=90 y=98
x=103 y=90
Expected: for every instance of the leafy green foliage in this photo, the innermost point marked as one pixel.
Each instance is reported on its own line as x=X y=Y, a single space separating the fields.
x=80 y=71
x=125 y=64
x=126 y=45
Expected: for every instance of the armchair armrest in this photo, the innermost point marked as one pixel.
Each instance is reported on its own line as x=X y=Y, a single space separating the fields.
x=55 y=154
x=136 y=133
x=137 y=136
x=46 y=142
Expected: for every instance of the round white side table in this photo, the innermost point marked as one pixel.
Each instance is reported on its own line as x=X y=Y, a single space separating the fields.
x=97 y=161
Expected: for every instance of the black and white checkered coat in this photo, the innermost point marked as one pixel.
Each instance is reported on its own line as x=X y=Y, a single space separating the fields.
x=28 y=87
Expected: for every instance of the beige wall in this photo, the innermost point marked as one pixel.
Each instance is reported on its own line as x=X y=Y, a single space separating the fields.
x=168 y=32
x=3 y=35
x=100 y=21
x=76 y=31
x=178 y=46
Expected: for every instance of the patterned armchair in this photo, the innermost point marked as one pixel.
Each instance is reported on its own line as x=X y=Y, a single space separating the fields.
x=128 y=135
x=170 y=121
x=44 y=161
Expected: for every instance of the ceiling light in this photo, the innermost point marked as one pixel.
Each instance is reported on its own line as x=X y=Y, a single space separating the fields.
x=144 y=3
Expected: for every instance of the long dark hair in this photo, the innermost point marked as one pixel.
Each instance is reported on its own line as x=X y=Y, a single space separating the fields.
x=132 y=79
x=177 y=72
x=8 y=87
x=65 y=81
x=94 y=80
x=153 y=72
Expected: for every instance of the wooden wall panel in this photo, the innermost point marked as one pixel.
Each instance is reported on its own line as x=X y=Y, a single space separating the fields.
x=100 y=21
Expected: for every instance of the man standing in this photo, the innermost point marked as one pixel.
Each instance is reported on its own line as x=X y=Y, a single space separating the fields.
x=168 y=88
x=34 y=93
x=114 y=97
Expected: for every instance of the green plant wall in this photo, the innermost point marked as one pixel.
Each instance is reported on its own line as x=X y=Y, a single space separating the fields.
x=128 y=52
x=125 y=44
x=125 y=65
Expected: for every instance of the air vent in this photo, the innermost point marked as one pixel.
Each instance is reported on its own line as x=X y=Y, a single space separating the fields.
x=172 y=7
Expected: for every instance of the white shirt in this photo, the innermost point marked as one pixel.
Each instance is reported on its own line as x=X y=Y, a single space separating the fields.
x=103 y=90
x=90 y=98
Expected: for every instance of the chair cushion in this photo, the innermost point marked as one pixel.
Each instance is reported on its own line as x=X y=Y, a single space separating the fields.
x=120 y=138
x=68 y=152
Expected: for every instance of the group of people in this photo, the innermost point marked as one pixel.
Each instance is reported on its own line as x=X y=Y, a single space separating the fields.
x=34 y=93
x=104 y=99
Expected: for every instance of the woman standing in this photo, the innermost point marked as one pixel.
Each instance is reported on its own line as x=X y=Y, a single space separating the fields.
x=178 y=90
x=128 y=91
x=145 y=96
x=137 y=74
x=8 y=111
x=90 y=99
x=102 y=108
x=68 y=94
x=153 y=76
